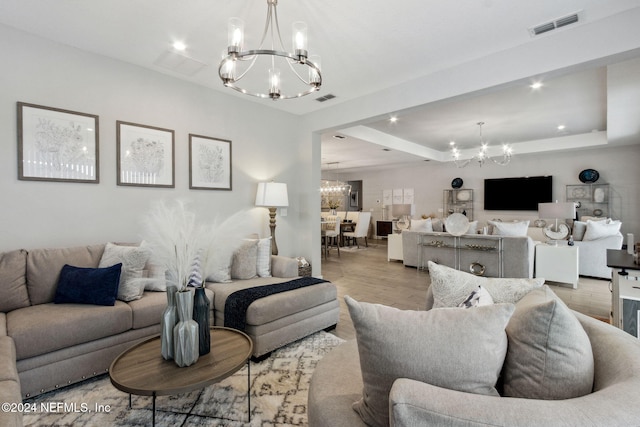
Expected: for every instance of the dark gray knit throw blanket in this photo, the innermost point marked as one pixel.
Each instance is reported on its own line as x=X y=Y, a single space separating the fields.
x=235 y=308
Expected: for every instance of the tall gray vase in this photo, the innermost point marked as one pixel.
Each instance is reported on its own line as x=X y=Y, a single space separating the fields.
x=185 y=333
x=167 y=323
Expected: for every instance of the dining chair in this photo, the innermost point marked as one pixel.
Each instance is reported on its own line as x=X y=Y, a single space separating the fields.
x=362 y=228
x=332 y=233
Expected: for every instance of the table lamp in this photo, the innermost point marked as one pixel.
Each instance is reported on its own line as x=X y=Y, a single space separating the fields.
x=272 y=195
x=403 y=213
x=556 y=211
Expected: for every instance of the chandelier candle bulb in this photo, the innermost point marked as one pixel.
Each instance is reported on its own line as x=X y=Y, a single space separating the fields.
x=299 y=32
x=235 y=34
x=274 y=83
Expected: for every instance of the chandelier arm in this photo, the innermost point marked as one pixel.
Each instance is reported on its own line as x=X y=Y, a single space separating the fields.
x=253 y=61
x=277 y=25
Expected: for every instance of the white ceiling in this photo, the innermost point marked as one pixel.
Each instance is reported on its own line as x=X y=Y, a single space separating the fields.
x=366 y=46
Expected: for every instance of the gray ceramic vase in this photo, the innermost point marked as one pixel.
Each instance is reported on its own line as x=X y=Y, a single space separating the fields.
x=167 y=323
x=185 y=333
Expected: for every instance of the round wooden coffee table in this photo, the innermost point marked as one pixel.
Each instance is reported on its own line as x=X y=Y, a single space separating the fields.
x=141 y=369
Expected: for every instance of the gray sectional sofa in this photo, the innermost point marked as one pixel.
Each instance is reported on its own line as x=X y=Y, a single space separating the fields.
x=44 y=345
x=518 y=253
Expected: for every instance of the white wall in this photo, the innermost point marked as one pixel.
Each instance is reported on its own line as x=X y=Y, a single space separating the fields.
x=54 y=214
x=617 y=167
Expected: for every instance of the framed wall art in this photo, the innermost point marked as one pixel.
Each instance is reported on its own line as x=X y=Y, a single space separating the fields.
x=145 y=155
x=209 y=163
x=57 y=145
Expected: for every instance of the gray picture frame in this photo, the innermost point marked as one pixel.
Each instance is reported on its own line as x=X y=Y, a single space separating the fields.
x=210 y=163
x=57 y=145
x=145 y=155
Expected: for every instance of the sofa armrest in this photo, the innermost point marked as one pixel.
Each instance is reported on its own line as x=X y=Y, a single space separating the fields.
x=414 y=403
x=282 y=266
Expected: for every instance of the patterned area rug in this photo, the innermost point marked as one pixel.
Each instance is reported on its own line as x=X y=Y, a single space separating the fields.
x=279 y=387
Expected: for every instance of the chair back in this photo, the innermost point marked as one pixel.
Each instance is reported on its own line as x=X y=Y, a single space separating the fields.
x=353 y=216
x=333 y=223
x=362 y=226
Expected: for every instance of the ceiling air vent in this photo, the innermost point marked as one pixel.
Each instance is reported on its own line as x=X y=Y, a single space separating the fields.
x=326 y=97
x=556 y=23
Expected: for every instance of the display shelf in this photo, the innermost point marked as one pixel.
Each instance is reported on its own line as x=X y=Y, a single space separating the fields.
x=458 y=200
x=591 y=199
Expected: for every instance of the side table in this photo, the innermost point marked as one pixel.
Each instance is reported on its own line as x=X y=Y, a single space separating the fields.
x=557 y=263
x=625 y=292
x=394 y=247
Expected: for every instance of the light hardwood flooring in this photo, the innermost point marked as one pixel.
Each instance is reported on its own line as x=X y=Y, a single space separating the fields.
x=366 y=275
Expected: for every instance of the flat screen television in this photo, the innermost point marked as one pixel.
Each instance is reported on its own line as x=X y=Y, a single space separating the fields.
x=517 y=194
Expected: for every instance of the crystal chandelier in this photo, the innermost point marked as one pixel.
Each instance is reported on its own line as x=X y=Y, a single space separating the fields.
x=482 y=156
x=333 y=192
x=305 y=75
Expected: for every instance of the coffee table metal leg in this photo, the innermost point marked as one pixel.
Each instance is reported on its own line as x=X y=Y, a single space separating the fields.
x=129 y=400
x=153 y=416
x=249 y=388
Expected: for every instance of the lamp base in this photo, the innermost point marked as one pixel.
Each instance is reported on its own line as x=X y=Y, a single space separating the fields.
x=272 y=226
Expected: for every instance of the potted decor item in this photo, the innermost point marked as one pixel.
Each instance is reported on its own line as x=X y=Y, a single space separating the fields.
x=167 y=323
x=188 y=249
x=185 y=333
x=201 y=308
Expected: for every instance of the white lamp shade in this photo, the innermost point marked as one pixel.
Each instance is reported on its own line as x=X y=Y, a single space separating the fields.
x=556 y=210
x=272 y=194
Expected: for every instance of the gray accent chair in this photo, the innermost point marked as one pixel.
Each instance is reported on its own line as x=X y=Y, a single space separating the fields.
x=337 y=383
x=592 y=256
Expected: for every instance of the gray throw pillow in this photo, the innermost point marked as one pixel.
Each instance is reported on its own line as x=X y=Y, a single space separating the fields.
x=549 y=355
x=133 y=259
x=450 y=287
x=450 y=347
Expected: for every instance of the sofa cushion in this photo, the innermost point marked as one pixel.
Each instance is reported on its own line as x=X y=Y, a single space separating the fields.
x=97 y=286
x=516 y=228
x=44 y=266
x=422 y=225
x=44 y=328
x=452 y=348
x=450 y=287
x=13 y=281
x=549 y=355
x=245 y=260
x=147 y=311
x=599 y=229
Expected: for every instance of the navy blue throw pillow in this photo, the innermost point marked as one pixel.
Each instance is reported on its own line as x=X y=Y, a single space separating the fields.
x=80 y=285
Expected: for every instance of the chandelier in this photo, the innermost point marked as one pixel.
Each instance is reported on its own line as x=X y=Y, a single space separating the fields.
x=333 y=192
x=304 y=76
x=481 y=156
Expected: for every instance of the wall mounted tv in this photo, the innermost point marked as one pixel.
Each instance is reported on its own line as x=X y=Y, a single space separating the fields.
x=517 y=194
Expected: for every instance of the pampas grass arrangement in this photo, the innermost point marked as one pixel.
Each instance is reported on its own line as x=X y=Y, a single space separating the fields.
x=178 y=240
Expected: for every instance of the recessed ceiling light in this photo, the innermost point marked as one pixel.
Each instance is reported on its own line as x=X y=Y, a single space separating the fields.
x=179 y=46
x=561 y=127
x=535 y=85
x=393 y=119
x=452 y=143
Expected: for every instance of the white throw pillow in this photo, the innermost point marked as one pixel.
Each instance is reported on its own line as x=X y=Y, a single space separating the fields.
x=516 y=228
x=478 y=298
x=263 y=266
x=450 y=287
x=424 y=225
x=133 y=259
x=599 y=229
x=473 y=227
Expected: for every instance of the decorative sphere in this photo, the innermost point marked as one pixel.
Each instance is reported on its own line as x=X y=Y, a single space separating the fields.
x=457 y=224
